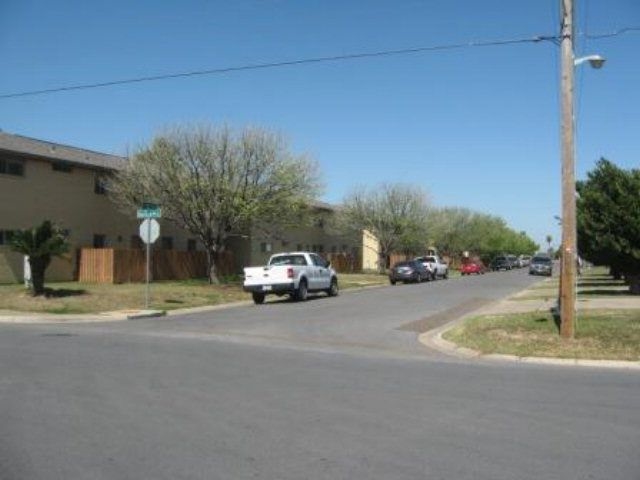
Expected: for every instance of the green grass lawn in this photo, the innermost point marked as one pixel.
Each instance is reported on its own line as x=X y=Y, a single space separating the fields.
x=74 y=297
x=600 y=335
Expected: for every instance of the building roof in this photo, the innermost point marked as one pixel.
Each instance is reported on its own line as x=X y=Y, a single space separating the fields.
x=322 y=205
x=31 y=147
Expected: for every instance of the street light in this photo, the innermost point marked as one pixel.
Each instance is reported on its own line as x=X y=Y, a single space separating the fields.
x=596 y=61
x=568 y=249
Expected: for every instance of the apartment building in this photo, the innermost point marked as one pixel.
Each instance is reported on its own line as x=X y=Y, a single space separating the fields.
x=41 y=180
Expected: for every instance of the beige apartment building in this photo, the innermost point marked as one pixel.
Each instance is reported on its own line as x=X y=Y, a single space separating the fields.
x=41 y=180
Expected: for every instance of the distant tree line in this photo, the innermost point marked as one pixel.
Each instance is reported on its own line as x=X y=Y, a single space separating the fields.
x=403 y=220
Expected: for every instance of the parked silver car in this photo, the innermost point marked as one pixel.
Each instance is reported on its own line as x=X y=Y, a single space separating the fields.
x=541 y=265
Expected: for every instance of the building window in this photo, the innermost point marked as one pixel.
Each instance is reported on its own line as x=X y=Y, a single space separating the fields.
x=100 y=185
x=265 y=247
x=5 y=237
x=62 y=167
x=99 y=240
x=192 y=245
x=12 y=167
x=166 y=243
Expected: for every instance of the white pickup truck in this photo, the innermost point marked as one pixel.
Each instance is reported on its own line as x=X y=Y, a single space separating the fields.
x=435 y=265
x=295 y=274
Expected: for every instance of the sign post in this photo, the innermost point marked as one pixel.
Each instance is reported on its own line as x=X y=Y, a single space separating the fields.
x=149 y=232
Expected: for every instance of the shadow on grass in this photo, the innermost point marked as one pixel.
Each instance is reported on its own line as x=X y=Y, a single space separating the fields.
x=607 y=283
x=616 y=293
x=63 y=292
x=555 y=315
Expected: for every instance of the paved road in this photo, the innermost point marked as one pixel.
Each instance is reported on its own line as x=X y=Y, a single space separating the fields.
x=379 y=321
x=167 y=400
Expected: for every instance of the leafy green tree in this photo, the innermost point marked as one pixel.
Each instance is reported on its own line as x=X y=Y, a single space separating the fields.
x=608 y=219
x=40 y=244
x=395 y=213
x=217 y=183
x=455 y=230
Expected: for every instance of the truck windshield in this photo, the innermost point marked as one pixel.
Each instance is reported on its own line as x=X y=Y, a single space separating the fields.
x=288 y=260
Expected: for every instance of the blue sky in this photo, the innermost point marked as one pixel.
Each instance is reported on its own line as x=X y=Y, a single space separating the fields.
x=475 y=127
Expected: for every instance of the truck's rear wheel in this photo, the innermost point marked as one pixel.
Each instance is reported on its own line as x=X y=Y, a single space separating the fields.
x=258 y=298
x=302 y=292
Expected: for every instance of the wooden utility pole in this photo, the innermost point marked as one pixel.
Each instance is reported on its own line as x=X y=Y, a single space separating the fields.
x=569 y=244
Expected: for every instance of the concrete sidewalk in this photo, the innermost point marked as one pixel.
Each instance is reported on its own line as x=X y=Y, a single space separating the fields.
x=534 y=299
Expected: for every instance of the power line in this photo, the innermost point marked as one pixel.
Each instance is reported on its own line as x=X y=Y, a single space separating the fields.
x=614 y=33
x=306 y=61
x=258 y=66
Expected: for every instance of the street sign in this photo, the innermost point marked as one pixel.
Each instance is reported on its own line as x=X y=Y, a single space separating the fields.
x=149 y=230
x=149 y=210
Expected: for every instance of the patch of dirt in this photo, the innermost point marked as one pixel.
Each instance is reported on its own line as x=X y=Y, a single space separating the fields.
x=440 y=318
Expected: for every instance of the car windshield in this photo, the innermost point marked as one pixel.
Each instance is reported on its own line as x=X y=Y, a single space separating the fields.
x=546 y=260
x=404 y=264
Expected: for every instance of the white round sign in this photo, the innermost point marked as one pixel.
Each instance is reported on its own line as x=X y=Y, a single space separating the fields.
x=149 y=230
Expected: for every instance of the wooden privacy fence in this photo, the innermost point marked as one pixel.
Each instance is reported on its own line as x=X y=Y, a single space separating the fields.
x=345 y=263
x=108 y=265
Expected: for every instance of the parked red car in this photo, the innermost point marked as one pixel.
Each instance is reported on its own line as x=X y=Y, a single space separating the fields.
x=472 y=267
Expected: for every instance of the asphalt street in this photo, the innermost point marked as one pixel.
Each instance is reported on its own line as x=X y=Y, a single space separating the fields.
x=333 y=388
x=378 y=320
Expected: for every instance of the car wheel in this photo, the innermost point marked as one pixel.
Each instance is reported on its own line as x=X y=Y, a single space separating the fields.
x=302 y=292
x=258 y=298
x=392 y=282
x=333 y=289
x=446 y=274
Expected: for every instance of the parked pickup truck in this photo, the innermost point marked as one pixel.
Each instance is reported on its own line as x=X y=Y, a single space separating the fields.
x=295 y=274
x=435 y=265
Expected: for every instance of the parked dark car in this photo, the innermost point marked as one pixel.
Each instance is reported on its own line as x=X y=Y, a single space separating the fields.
x=501 y=263
x=408 y=271
x=541 y=265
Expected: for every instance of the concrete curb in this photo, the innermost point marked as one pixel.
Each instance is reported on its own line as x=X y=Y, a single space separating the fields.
x=146 y=314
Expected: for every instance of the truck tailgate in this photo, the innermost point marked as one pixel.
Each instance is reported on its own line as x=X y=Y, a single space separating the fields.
x=266 y=275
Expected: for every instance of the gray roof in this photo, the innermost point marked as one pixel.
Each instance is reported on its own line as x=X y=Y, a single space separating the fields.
x=319 y=204
x=31 y=147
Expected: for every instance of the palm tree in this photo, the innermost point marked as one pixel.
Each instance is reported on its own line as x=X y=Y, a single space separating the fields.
x=40 y=244
x=549 y=239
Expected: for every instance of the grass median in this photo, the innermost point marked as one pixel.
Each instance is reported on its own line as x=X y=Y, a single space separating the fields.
x=606 y=334
x=600 y=335
x=74 y=297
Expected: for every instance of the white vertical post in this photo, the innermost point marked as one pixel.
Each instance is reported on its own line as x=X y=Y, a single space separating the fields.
x=146 y=303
